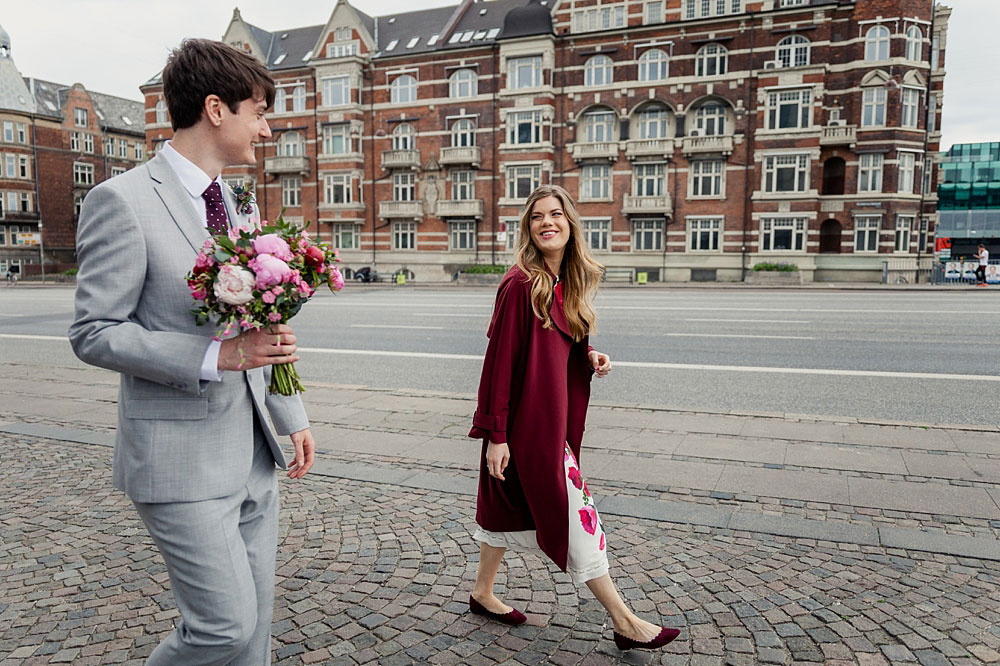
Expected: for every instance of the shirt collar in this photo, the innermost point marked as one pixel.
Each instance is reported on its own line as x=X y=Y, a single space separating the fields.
x=194 y=180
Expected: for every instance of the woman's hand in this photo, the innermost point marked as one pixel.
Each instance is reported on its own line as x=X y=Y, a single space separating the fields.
x=600 y=362
x=497 y=457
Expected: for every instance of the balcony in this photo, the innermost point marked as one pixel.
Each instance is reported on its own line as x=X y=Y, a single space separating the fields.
x=589 y=151
x=19 y=216
x=836 y=135
x=649 y=148
x=722 y=143
x=407 y=209
x=287 y=164
x=460 y=208
x=634 y=204
x=400 y=159
x=461 y=155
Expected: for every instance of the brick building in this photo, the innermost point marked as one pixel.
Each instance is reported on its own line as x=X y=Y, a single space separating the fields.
x=57 y=142
x=699 y=136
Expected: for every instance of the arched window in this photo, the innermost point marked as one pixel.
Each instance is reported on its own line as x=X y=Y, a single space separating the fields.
x=653 y=65
x=598 y=126
x=402 y=137
x=299 y=98
x=914 y=43
x=463 y=83
x=161 y=111
x=463 y=132
x=793 y=51
x=710 y=119
x=653 y=122
x=403 y=89
x=279 y=100
x=711 y=60
x=877 y=43
x=290 y=145
x=597 y=71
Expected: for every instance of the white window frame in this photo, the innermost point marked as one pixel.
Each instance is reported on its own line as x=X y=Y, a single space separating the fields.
x=83 y=173
x=906 y=170
x=463 y=185
x=299 y=98
x=799 y=101
x=403 y=89
x=710 y=119
x=654 y=65
x=607 y=17
x=336 y=90
x=140 y=150
x=333 y=132
x=793 y=51
x=123 y=149
x=463 y=83
x=404 y=187
x=595 y=182
x=704 y=234
x=8 y=131
x=291 y=191
x=81 y=117
x=10 y=161
x=117 y=171
x=647 y=235
x=711 y=60
x=462 y=235
x=161 y=112
x=403 y=137
x=524 y=72
x=23 y=167
x=88 y=142
x=910 y=103
x=518 y=120
x=649 y=179
x=795 y=226
x=914 y=44
x=75 y=142
x=291 y=144
x=280 y=104
x=598 y=126
x=598 y=71
x=873 y=105
x=774 y=164
x=597 y=234
x=652 y=12
x=338 y=182
x=517 y=174
x=904 y=234
x=404 y=235
x=707 y=175
x=877 y=41
x=697 y=9
x=348 y=230
x=870 y=167
x=867 y=229
x=463 y=133
x=655 y=118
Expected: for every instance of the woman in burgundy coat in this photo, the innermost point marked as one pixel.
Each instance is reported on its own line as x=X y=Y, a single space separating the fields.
x=532 y=407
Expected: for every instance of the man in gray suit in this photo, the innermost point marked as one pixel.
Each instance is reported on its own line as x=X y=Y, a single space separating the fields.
x=194 y=449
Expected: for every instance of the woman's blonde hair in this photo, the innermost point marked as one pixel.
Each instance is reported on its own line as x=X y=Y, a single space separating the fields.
x=580 y=273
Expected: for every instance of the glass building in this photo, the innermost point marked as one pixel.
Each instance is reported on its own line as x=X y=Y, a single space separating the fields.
x=969 y=198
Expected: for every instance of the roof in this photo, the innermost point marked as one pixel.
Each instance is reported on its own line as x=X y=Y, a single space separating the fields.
x=287 y=49
x=526 y=20
x=14 y=94
x=120 y=114
x=47 y=97
x=411 y=32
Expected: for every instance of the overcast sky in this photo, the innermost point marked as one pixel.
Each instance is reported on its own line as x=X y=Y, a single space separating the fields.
x=113 y=46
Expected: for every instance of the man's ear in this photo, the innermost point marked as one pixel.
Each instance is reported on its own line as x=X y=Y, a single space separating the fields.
x=213 y=110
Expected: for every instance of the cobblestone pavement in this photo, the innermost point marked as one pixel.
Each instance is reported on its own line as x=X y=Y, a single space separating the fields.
x=375 y=573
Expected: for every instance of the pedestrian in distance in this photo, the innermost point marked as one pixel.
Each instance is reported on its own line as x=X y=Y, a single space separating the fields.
x=532 y=405
x=984 y=259
x=194 y=450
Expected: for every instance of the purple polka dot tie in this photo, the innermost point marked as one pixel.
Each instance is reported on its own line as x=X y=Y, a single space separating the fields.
x=215 y=209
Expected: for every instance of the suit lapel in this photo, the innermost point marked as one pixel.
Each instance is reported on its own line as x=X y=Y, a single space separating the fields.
x=177 y=202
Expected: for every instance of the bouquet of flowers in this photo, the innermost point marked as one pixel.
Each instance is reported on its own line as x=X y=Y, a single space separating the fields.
x=254 y=277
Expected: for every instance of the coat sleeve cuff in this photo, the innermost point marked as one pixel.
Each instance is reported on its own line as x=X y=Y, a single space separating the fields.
x=488 y=426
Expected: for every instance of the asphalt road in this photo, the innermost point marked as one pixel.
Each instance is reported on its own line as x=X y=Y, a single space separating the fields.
x=899 y=355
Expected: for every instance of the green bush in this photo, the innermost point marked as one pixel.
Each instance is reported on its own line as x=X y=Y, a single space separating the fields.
x=71 y=272
x=771 y=266
x=488 y=269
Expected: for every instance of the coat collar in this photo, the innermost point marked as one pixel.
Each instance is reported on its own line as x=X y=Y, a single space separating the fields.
x=177 y=201
x=557 y=313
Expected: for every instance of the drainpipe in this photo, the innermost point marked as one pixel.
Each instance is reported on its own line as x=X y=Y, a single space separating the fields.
x=748 y=158
x=927 y=158
x=493 y=150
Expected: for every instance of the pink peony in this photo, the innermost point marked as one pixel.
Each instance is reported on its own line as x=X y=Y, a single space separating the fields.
x=336 y=279
x=199 y=294
x=270 y=270
x=278 y=290
x=272 y=244
x=574 y=476
x=234 y=285
x=274 y=317
x=588 y=518
x=267 y=297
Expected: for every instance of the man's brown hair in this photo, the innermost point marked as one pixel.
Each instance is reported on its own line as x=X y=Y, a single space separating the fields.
x=203 y=67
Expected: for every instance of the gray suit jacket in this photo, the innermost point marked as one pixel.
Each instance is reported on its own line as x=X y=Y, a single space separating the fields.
x=179 y=438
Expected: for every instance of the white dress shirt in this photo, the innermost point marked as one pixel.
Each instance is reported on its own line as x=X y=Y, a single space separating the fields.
x=196 y=181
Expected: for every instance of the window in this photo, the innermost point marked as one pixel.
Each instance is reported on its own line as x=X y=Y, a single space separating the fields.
x=870 y=172
x=904 y=227
x=404 y=236
x=793 y=3
x=22 y=136
x=336 y=139
x=81 y=117
x=122 y=148
x=654 y=12
x=403 y=89
x=706 y=8
x=522 y=180
x=345 y=236
x=711 y=60
x=783 y=233
x=793 y=51
x=866 y=233
x=291 y=191
x=649 y=179
x=8 y=131
x=463 y=83
x=290 y=144
x=462 y=235
x=524 y=72
x=524 y=127
x=109 y=146
x=117 y=171
x=463 y=185
x=647 y=235
x=595 y=181
x=338 y=188
x=337 y=91
x=463 y=132
x=911 y=105
x=873 y=107
x=23 y=167
x=161 y=111
x=25 y=202
x=653 y=122
x=877 y=43
x=914 y=44
x=597 y=71
x=928 y=169
x=77 y=204
x=280 y=101
x=786 y=173
x=789 y=109
x=704 y=234
x=14 y=231
x=907 y=169
x=341 y=50
x=597 y=234
x=599 y=18
x=710 y=119
x=403 y=187
x=299 y=98
x=10 y=162
x=706 y=178
x=74 y=142
x=83 y=174
x=922 y=237
x=935 y=52
x=402 y=137
x=653 y=65
x=931 y=113
x=598 y=126
x=140 y=150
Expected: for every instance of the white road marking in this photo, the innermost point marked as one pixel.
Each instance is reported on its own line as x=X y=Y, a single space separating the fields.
x=671 y=308
x=756 y=321
x=735 y=335
x=15 y=336
x=450 y=314
x=424 y=328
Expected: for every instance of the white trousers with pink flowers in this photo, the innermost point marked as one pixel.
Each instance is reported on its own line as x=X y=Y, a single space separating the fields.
x=588 y=556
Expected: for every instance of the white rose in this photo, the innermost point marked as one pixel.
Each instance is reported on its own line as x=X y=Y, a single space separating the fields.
x=234 y=285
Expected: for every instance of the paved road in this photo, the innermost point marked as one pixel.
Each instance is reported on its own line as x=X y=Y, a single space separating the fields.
x=900 y=355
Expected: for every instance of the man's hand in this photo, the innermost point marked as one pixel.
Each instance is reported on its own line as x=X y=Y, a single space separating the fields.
x=497 y=457
x=305 y=451
x=600 y=362
x=273 y=345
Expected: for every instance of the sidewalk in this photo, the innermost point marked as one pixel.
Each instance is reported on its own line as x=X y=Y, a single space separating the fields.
x=768 y=538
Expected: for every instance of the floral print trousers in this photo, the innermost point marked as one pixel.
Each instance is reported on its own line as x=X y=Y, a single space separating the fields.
x=588 y=556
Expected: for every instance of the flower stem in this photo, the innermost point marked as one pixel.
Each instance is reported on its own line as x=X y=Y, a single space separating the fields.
x=285 y=380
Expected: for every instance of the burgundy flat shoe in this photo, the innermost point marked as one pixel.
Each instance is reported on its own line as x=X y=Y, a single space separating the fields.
x=665 y=636
x=514 y=617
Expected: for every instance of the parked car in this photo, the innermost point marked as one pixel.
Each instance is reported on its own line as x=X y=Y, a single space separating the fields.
x=366 y=274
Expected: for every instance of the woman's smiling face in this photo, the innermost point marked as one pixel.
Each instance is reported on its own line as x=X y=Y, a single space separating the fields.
x=549 y=227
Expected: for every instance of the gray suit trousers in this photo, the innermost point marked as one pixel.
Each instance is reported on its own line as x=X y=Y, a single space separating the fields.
x=220 y=556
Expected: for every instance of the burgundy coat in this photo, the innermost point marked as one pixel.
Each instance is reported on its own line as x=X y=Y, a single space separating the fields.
x=533 y=394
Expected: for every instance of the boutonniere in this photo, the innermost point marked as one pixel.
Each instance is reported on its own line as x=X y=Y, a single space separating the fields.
x=244 y=198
